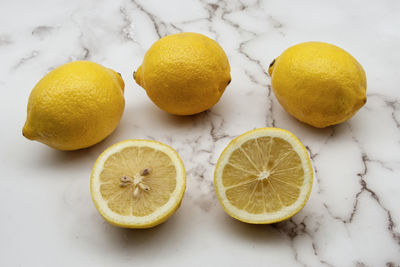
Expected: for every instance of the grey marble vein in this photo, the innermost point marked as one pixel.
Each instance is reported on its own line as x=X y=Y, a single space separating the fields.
x=26 y=59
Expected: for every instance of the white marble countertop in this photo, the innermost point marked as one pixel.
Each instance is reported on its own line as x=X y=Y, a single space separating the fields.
x=353 y=215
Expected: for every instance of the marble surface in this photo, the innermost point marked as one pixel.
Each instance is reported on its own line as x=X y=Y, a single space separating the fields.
x=353 y=215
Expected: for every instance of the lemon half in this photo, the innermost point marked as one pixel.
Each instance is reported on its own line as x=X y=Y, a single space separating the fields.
x=138 y=183
x=263 y=176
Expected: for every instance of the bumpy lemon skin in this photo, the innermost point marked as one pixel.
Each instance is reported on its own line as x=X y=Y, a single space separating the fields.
x=318 y=83
x=184 y=73
x=75 y=106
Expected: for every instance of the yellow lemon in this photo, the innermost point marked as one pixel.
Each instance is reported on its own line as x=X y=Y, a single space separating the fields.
x=263 y=176
x=318 y=83
x=184 y=73
x=138 y=183
x=75 y=106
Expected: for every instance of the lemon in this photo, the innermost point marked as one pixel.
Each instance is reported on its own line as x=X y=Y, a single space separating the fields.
x=75 y=106
x=184 y=73
x=263 y=176
x=137 y=183
x=318 y=83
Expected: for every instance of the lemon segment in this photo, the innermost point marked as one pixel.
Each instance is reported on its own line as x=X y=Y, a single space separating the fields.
x=263 y=176
x=138 y=183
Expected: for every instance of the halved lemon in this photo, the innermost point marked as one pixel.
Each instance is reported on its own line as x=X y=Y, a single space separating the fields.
x=263 y=176
x=138 y=183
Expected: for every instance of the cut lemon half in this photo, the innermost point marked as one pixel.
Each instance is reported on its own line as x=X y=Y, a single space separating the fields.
x=138 y=183
x=263 y=176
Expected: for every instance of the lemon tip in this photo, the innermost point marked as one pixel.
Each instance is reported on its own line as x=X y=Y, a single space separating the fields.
x=28 y=132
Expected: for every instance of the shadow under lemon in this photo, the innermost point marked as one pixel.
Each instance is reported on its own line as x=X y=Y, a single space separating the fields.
x=262 y=233
x=139 y=241
x=54 y=158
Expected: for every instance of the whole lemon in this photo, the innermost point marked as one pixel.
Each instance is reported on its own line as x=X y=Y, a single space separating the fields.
x=75 y=106
x=318 y=83
x=184 y=73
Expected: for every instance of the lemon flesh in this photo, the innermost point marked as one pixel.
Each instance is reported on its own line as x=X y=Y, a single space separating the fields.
x=138 y=183
x=75 y=106
x=263 y=176
x=184 y=73
x=318 y=83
